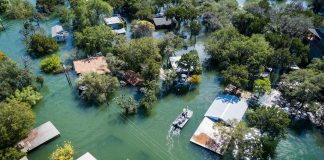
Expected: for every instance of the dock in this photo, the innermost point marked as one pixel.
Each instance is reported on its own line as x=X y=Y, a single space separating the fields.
x=38 y=136
x=23 y=158
x=87 y=156
x=210 y=134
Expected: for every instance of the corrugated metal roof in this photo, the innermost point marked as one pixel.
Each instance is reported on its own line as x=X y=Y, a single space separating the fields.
x=87 y=156
x=112 y=20
x=162 y=21
x=227 y=107
x=318 y=32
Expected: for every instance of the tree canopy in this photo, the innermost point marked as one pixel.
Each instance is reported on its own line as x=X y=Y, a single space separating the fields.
x=95 y=39
x=66 y=152
x=40 y=45
x=142 y=28
x=99 y=88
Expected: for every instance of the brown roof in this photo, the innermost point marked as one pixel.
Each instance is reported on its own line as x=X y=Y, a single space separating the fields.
x=93 y=64
x=133 y=78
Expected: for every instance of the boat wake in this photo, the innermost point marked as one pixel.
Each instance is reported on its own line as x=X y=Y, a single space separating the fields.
x=172 y=133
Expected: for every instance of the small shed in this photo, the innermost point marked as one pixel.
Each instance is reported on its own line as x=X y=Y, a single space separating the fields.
x=38 y=136
x=116 y=23
x=92 y=64
x=133 y=78
x=59 y=33
x=87 y=156
x=162 y=22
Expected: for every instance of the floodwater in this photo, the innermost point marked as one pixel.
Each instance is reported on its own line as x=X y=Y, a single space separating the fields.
x=109 y=135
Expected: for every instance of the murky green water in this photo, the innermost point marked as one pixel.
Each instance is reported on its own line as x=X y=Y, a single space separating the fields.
x=108 y=135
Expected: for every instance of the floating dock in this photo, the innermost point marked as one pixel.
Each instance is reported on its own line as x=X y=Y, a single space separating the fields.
x=23 y=158
x=38 y=136
x=214 y=137
x=183 y=118
x=87 y=156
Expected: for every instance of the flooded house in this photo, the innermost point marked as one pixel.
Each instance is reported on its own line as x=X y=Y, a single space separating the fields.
x=58 y=33
x=116 y=23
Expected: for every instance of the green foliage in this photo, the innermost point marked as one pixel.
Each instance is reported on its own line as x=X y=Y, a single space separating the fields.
x=40 y=45
x=271 y=121
x=195 y=79
x=115 y=64
x=170 y=78
x=236 y=75
x=151 y=69
x=195 y=27
x=148 y=100
x=182 y=12
x=26 y=95
x=139 y=9
x=99 y=88
x=19 y=124
x=138 y=51
x=262 y=86
x=66 y=152
x=4 y=4
x=142 y=28
x=88 y=12
x=11 y=153
x=66 y=16
x=95 y=39
x=228 y=47
x=248 y=24
x=52 y=64
x=170 y=43
x=12 y=78
x=19 y=9
x=129 y=105
x=190 y=62
x=48 y=6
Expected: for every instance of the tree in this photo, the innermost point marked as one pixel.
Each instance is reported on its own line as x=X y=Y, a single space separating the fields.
x=4 y=4
x=115 y=64
x=181 y=13
x=236 y=75
x=52 y=64
x=316 y=6
x=63 y=153
x=195 y=28
x=211 y=21
x=148 y=99
x=169 y=44
x=99 y=88
x=249 y=24
x=40 y=45
x=129 y=105
x=48 y=6
x=19 y=124
x=11 y=153
x=88 y=13
x=138 y=51
x=95 y=39
x=12 y=78
x=26 y=95
x=66 y=16
x=271 y=121
x=295 y=26
x=142 y=28
x=19 y=9
x=282 y=58
x=262 y=86
x=151 y=69
x=169 y=80
x=195 y=79
x=190 y=62
x=246 y=142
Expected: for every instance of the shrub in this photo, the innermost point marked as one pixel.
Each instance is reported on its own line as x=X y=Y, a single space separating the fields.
x=19 y=9
x=41 y=45
x=195 y=79
x=27 y=95
x=52 y=64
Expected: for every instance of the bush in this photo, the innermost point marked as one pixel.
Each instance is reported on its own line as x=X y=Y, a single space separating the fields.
x=19 y=9
x=52 y=64
x=27 y=95
x=195 y=79
x=63 y=153
x=99 y=88
x=142 y=29
x=40 y=45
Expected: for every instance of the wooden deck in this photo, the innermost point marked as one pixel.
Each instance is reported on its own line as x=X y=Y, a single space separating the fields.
x=87 y=156
x=38 y=136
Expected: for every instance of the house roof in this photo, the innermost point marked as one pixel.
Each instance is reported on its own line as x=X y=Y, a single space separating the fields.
x=227 y=107
x=318 y=32
x=38 y=136
x=56 y=29
x=92 y=64
x=87 y=156
x=210 y=136
x=162 y=21
x=173 y=61
x=120 y=31
x=113 y=20
x=133 y=78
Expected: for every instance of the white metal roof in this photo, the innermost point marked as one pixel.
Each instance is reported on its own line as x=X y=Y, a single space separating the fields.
x=87 y=156
x=227 y=107
x=56 y=29
x=174 y=60
x=120 y=31
x=162 y=21
x=112 y=20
